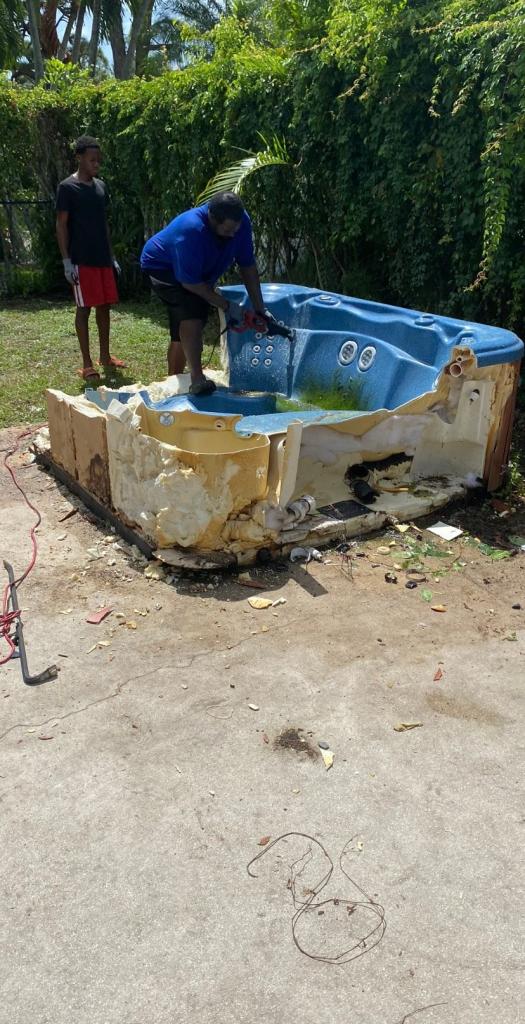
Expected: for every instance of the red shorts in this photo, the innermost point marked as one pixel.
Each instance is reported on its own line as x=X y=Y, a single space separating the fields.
x=96 y=286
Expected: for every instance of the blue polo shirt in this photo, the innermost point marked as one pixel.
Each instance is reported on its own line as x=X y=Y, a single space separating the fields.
x=190 y=249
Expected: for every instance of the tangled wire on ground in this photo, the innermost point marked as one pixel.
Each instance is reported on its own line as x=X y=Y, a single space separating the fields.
x=310 y=904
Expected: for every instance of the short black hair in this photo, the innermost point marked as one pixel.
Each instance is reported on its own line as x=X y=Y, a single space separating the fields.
x=86 y=142
x=226 y=206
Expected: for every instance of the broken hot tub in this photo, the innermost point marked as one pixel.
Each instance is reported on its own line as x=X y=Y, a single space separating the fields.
x=373 y=412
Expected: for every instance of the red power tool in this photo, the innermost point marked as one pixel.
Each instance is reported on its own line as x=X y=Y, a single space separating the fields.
x=264 y=324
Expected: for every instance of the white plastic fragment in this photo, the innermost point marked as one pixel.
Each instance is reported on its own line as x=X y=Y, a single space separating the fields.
x=93 y=554
x=445 y=531
x=305 y=555
x=328 y=758
x=155 y=572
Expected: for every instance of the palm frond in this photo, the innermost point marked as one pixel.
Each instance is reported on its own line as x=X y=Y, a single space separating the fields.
x=232 y=178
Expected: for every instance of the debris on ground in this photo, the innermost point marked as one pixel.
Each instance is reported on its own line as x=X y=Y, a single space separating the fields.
x=415 y=576
x=154 y=572
x=305 y=901
x=68 y=515
x=95 y=618
x=438 y=607
x=260 y=602
x=438 y=675
x=445 y=531
x=245 y=580
x=390 y=577
x=290 y=739
x=328 y=758
x=253 y=707
x=406 y=726
x=99 y=645
x=264 y=840
x=305 y=555
x=93 y=554
x=326 y=754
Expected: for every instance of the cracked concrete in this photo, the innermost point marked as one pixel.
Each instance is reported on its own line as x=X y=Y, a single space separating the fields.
x=125 y=837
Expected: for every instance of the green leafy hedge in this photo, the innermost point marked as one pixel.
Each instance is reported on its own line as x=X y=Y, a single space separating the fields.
x=405 y=120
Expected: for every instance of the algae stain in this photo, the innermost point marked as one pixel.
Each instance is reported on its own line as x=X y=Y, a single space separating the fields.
x=336 y=396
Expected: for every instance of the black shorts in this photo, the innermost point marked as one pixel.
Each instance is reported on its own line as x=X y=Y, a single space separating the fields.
x=181 y=304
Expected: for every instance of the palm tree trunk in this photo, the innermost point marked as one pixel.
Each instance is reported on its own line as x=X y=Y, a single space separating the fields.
x=35 y=40
x=144 y=41
x=73 y=13
x=48 y=29
x=95 y=36
x=75 y=51
x=136 y=28
x=118 y=47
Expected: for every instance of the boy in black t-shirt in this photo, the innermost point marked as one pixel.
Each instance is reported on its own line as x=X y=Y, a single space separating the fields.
x=83 y=239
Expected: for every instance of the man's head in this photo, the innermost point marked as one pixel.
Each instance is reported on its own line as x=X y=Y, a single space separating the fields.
x=87 y=152
x=225 y=212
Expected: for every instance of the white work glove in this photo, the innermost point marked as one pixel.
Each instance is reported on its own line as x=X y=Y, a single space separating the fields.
x=70 y=272
x=117 y=268
x=234 y=313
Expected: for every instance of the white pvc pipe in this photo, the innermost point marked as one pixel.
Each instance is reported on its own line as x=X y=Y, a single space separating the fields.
x=290 y=462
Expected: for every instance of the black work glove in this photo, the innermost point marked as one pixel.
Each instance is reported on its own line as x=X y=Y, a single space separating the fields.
x=276 y=328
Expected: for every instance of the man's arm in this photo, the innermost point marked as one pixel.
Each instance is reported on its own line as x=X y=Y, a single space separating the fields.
x=204 y=291
x=62 y=228
x=252 y=283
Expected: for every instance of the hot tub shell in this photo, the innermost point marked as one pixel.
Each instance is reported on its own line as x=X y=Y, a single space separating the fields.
x=198 y=479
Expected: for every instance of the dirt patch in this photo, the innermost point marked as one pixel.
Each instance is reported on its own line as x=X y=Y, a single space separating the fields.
x=294 y=739
x=463 y=709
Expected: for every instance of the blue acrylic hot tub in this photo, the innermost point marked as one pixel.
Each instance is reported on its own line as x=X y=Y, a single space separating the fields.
x=380 y=356
x=383 y=355
x=391 y=355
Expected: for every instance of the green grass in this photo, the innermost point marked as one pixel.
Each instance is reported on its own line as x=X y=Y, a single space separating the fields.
x=39 y=350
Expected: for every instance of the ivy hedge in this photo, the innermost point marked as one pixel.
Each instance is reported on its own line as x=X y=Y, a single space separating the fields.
x=405 y=125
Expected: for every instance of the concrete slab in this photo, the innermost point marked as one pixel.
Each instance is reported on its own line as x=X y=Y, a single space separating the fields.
x=125 y=837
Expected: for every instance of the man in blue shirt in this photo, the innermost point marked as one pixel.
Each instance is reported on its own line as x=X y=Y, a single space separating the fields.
x=185 y=260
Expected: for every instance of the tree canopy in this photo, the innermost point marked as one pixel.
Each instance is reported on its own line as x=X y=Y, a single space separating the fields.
x=401 y=122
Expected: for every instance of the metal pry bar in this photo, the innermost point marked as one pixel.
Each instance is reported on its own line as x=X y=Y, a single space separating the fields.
x=48 y=673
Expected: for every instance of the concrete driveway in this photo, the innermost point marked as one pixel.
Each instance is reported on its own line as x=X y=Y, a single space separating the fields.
x=137 y=787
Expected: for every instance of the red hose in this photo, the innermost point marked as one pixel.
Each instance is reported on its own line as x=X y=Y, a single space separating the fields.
x=7 y=618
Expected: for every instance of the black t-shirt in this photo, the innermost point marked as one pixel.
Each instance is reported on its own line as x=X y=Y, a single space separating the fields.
x=88 y=234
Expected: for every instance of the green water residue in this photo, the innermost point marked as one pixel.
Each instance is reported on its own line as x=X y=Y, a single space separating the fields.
x=345 y=397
